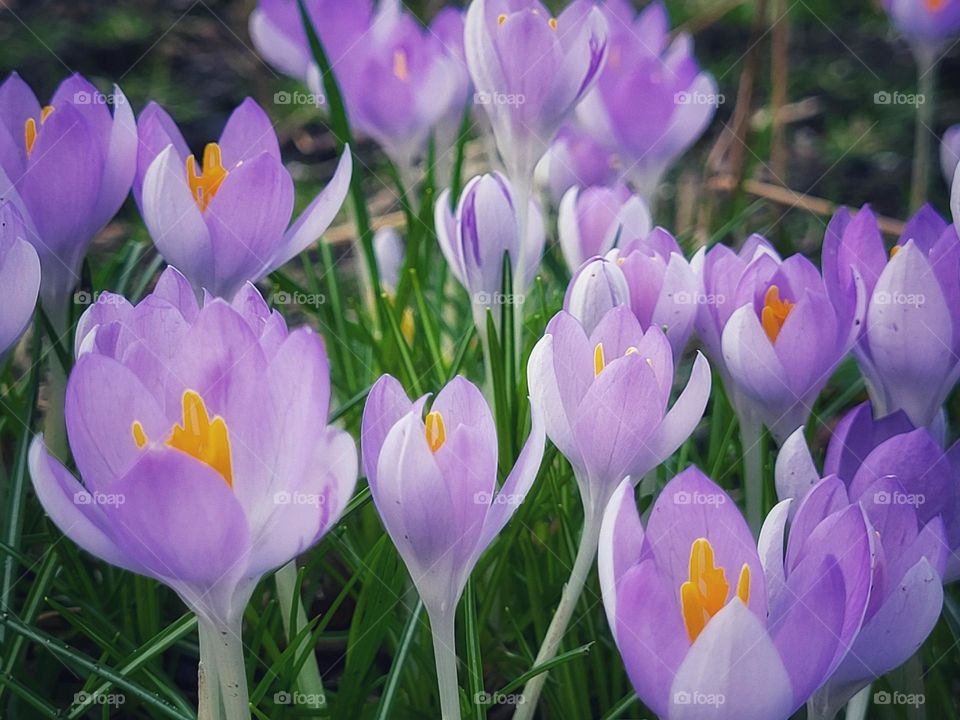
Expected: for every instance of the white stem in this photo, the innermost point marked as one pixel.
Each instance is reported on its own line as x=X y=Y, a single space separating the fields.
x=568 y=603
x=54 y=427
x=445 y=652
x=224 y=693
x=309 y=681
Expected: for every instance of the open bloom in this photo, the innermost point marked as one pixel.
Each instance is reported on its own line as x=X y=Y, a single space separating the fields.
x=772 y=329
x=709 y=624
x=223 y=220
x=434 y=481
x=604 y=399
x=474 y=239
x=909 y=344
x=67 y=167
x=19 y=277
x=679 y=100
x=574 y=159
x=530 y=70
x=209 y=462
x=904 y=485
x=592 y=220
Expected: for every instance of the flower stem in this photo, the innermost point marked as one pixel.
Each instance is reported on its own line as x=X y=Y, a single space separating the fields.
x=445 y=652
x=926 y=100
x=582 y=564
x=54 y=425
x=751 y=436
x=223 y=677
x=309 y=681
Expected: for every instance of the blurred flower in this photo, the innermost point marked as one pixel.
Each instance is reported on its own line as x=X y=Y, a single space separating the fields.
x=19 y=278
x=475 y=238
x=664 y=289
x=950 y=153
x=390 y=250
x=67 y=168
x=925 y=21
x=592 y=220
x=679 y=100
x=209 y=462
x=604 y=399
x=772 y=330
x=223 y=221
x=905 y=487
x=596 y=288
x=707 y=623
x=574 y=159
x=530 y=70
x=909 y=343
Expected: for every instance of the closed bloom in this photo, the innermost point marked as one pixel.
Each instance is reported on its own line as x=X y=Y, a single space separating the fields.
x=708 y=623
x=773 y=330
x=209 y=462
x=224 y=220
x=950 y=153
x=390 y=250
x=909 y=345
x=592 y=220
x=475 y=237
x=575 y=159
x=904 y=485
x=530 y=70
x=19 y=278
x=595 y=289
x=67 y=167
x=679 y=100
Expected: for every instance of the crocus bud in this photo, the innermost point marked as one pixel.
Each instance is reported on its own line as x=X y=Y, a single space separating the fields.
x=591 y=221
x=224 y=220
x=530 y=70
x=69 y=166
x=19 y=277
x=389 y=248
x=597 y=287
x=574 y=159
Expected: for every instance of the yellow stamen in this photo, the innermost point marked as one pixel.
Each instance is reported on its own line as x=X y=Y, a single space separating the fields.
x=705 y=593
x=139 y=436
x=204 y=186
x=893 y=251
x=501 y=19
x=30 y=128
x=552 y=22
x=599 y=363
x=435 y=431
x=400 y=70
x=775 y=313
x=407 y=325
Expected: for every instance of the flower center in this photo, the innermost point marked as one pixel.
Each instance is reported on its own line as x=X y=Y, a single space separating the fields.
x=435 y=431
x=30 y=129
x=400 y=69
x=204 y=186
x=705 y=593
x=198 y=436
x=775 y=313
x=599 y=362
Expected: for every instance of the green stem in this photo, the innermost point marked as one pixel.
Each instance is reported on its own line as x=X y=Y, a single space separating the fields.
x=926 y=93
x=54 y=425
x=444 y=651
x=223 y=677
x=309 y=681
x=751 y=435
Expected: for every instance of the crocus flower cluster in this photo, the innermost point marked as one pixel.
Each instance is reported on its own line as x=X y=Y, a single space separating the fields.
x=19 y=278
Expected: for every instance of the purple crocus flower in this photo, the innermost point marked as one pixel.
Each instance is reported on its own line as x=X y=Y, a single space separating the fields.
x=709 y=624
x=904 y=484
x=434 y=483
x=679 y=100
x=19 y=278
x=909 y=345
x=950 y=153
x=223 y=220
x=575 y=159
x=475 y=238
x=67 y=167
x=925 y=22
x=209 y=462
x=772 y=330
x=596 y=288
x=592 y=220
x=530 y=70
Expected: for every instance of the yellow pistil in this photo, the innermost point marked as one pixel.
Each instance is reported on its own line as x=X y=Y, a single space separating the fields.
x=30 y=128
x=705 y=593
x=775 y=313
x=400 y=69
x=435 y=431
x=893 y=251
x=501 y=19
x=198 y=436
x=204 y=186
x=598 y=360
